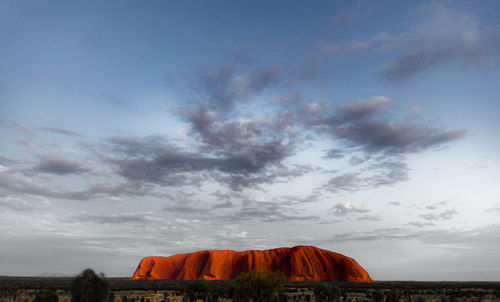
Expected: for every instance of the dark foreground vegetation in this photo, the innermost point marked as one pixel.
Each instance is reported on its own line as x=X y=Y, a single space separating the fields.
x=249 y=287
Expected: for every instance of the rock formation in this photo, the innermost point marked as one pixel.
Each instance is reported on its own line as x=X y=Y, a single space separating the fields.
x=299 y=263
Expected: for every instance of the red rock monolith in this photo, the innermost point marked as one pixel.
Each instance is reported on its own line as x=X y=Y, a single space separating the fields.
x=299 y=263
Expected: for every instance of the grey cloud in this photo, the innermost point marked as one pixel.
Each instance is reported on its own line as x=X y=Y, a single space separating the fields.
x=352 y=11
x=359 y=124
x=236 y=134
x=444 y=37
x=18 y=204
x=244 y=152
x=407 y=66
x=419 y=224
x=494 y=209
x=12 y=184
x=310 y=69
x=62 y=131
x=266 y=212
x=290 y=98
x=18 y=126
x=394 y=137
x=7 y=160
x=264 y=77
x=359 y=109
x=53 y=164
x=395 y=203
x=292 y=171
x=221 y=89
x=369 y=218
x=237 y=153
x=376 y=235
x=440 y=36
x=437 y=204
x=388 y=173
x=357 y=160
x=184 y=207
x=28 y=144
x=380 y=41
x=347 y=182
x=444 y=215
x=232 y=236
x=119 y=218
x=334 y=153
x=59 y=241
x=342 y=209
x=379 y=174
x=246 y=208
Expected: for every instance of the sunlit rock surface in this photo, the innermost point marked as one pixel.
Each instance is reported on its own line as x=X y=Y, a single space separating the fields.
x=299 y=263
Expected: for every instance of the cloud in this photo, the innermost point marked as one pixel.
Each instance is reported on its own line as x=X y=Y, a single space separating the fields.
x=7 y=160
x=346 y=182
x=382 y=234
x=12 y=183
x=380 y=174
x=419 y=224
x=388 y=173
x=360 y=109
x=395 y=203
x=435 y=205
x=246 y=207
x=19 y=204
x=361 y=124
x=145 y=218
x=27 y=130
x=221 y=89
x=268 y=212
x=183 y=205
x=379 y=42
x=62 y=131
x=179 y=168
x=334 y=153
x=446 y=36
x=444 y=215
x=342 y=209
x=264 y=77
x=54 y=164
x=237 y=153
x=369 y=218
x=440 y=35
x=353 y=11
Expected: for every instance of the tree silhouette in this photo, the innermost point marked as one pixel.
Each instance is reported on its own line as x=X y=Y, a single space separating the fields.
x=259 y=286
x=88 y=287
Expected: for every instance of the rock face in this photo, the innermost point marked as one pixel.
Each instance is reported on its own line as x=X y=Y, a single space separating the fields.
x=299 y=263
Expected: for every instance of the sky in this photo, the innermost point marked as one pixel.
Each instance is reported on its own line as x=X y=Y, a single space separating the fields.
x=133 y=129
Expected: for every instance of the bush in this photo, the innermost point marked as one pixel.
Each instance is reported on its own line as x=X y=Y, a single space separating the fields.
x=258 y=286
x=88 y=287
x=195 y=289
x=46 y=295
x=327 y=292
x=393 y=297
x=379 y=296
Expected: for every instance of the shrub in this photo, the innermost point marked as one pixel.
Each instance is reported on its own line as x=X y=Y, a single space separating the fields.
x=379 y=296
x=46 y=295
x=88 y=287
x=258 y=286
x=327 y=292
x=393 y=297
x=195 y=289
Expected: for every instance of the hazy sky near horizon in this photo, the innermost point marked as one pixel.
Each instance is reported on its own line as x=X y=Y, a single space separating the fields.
x=369 y=128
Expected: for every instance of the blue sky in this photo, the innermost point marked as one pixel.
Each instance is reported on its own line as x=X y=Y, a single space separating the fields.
x=366 y=128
